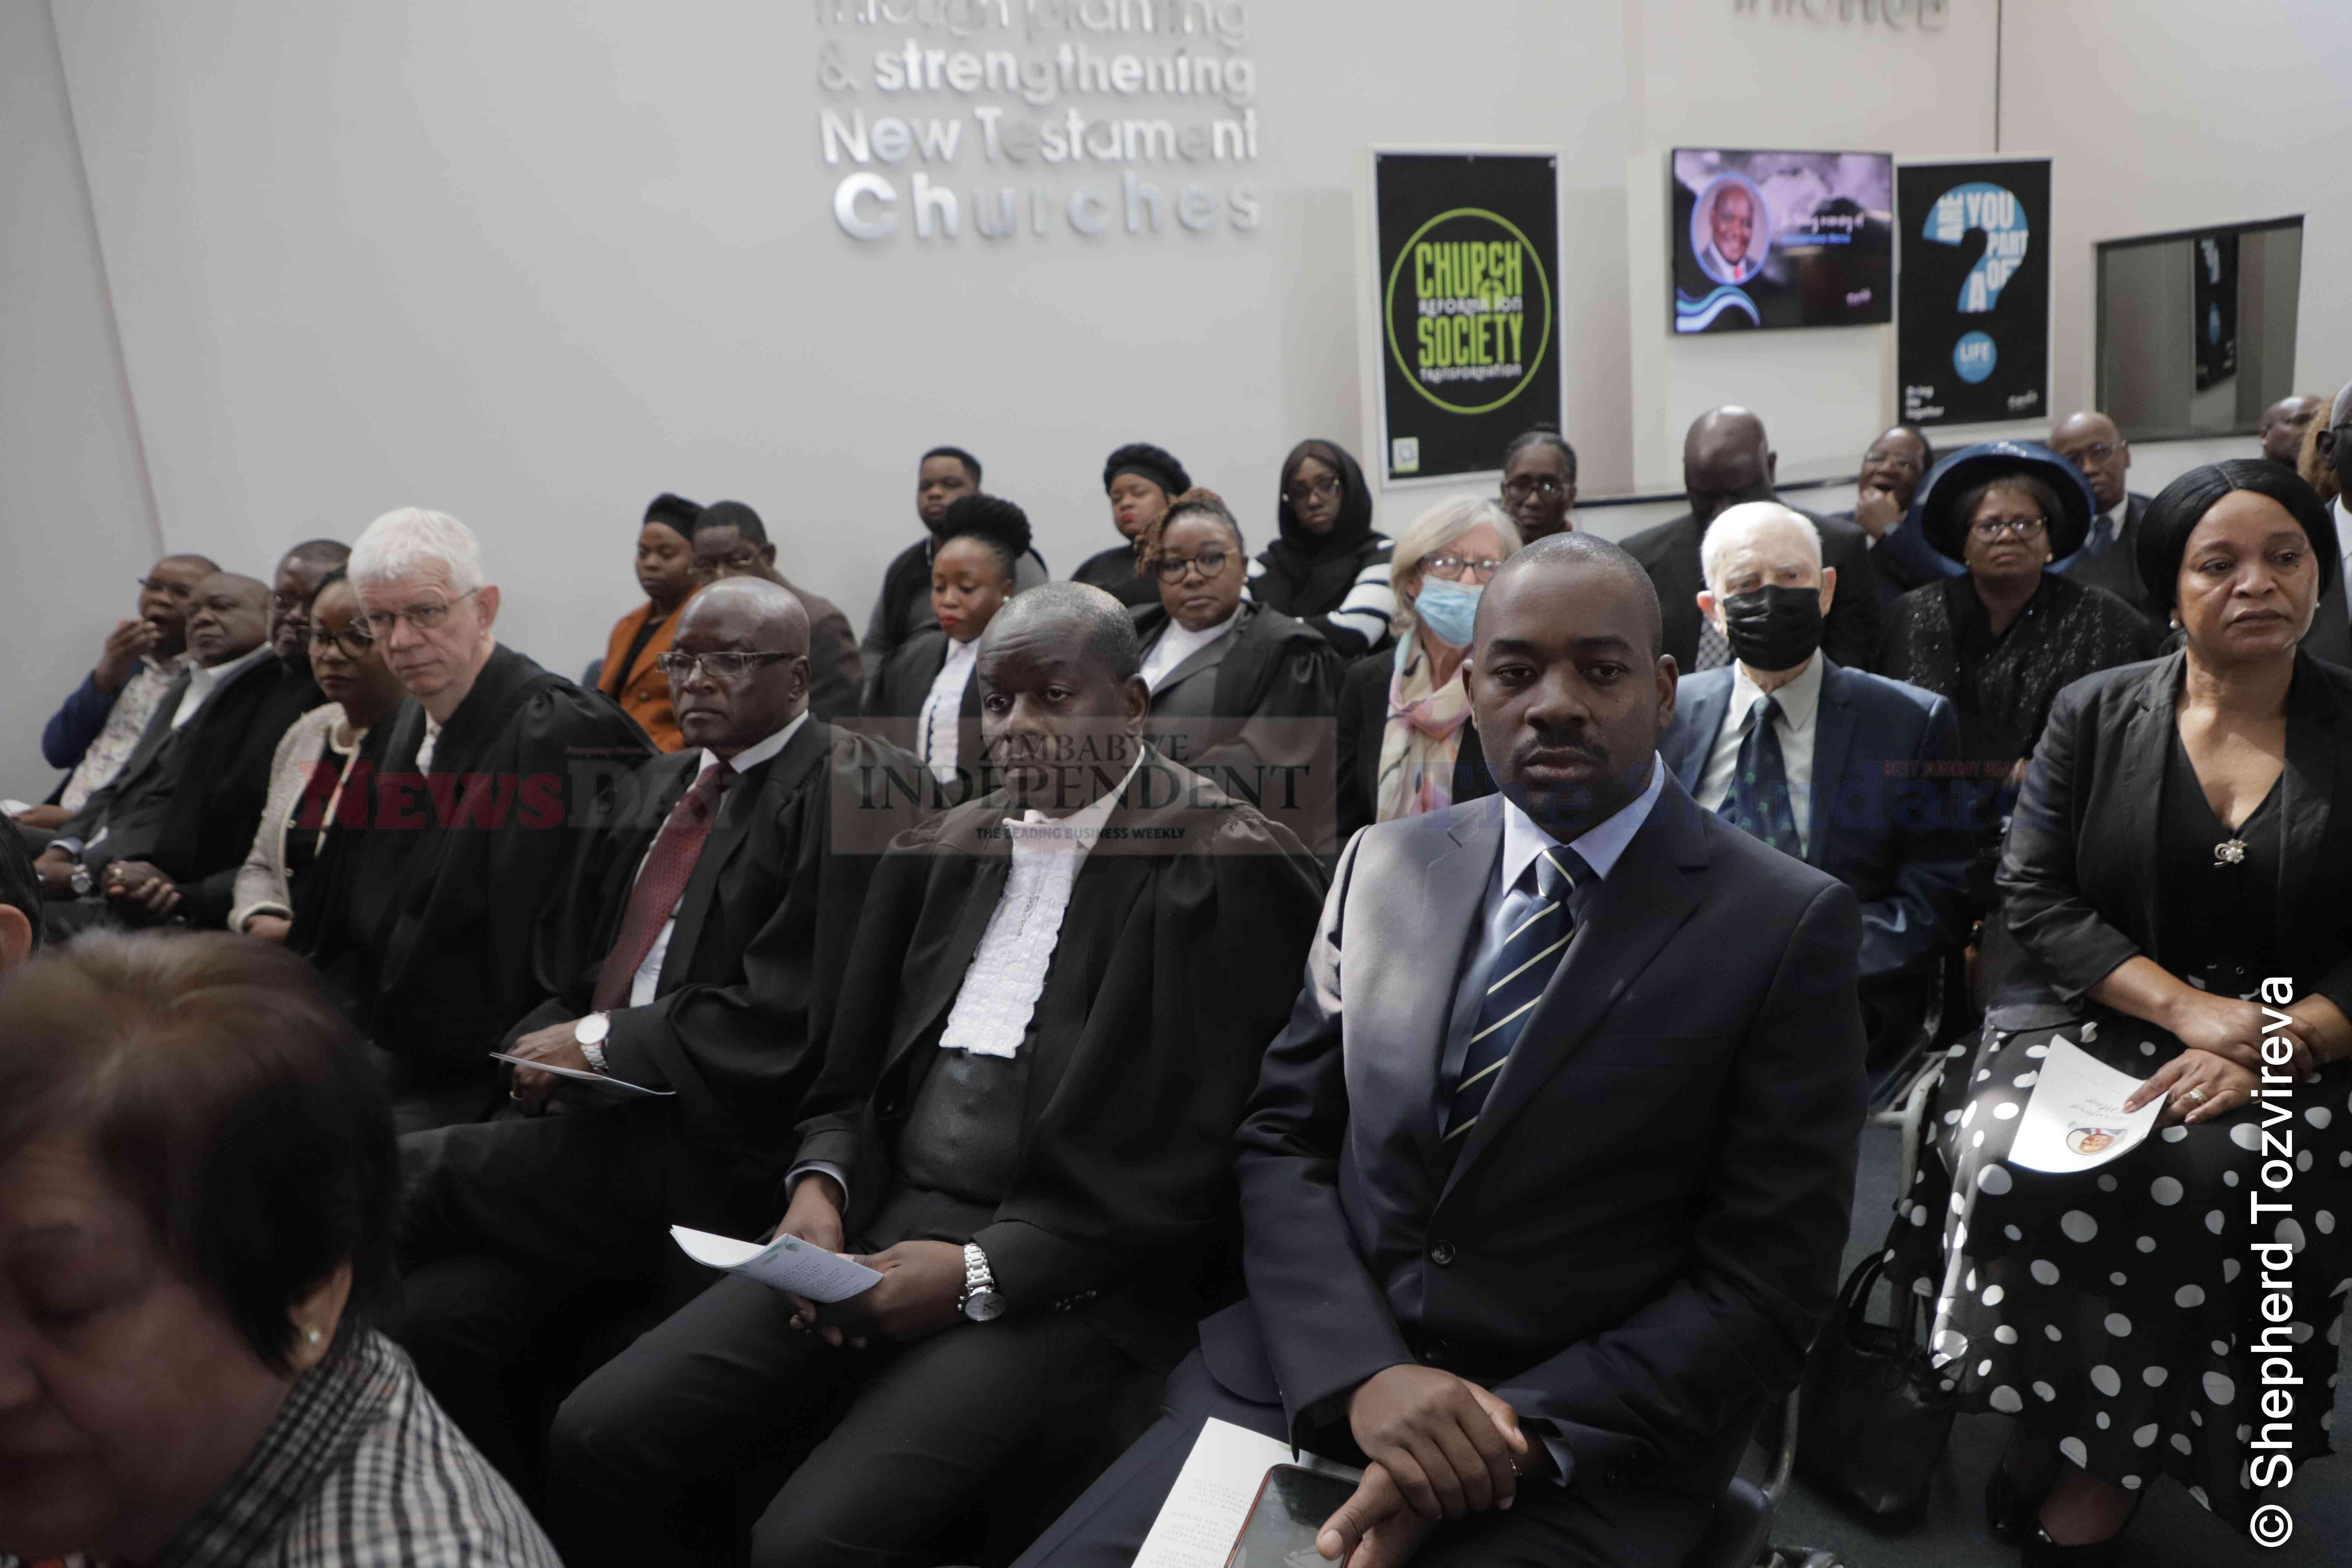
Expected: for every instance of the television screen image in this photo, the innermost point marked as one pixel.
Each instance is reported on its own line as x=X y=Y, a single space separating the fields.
x=1765 y=240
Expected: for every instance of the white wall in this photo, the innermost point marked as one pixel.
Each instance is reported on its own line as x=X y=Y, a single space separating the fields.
x=73 y=505
x=535 y=261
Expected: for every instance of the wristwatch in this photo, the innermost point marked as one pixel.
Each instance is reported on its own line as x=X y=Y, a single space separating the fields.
x=590 y=1033
x=982 y=1302
x=81 y=882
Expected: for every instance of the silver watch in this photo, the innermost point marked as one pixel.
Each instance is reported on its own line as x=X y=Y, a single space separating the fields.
x=982 y=1302
x=590 y=1033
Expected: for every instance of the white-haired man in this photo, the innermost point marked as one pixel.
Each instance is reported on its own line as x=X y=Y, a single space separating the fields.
x=1831 y=765
x=483 y=787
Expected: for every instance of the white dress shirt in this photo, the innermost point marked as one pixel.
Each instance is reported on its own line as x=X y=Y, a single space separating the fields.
x=940 y=731
x=1801 y=704
x=2344 y=540
x=1175 y=645
x=203 y=681
x=424 y=748
x=1007 y=975
x=642 y=985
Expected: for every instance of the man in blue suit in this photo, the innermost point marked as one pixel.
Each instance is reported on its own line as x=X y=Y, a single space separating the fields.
x=1844 y=770
x=1544 y=1183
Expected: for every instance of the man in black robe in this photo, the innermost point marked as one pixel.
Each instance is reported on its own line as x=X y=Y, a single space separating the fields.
x=1025 y=1122
x=484 y=789
x=698 y=952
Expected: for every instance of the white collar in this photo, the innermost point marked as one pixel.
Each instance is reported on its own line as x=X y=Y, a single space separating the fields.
x=1600 y=845
x=1799 y=699
x=206 y=677
x=1202 y=637
x=1032 y=829
x=2343 y=529
x=759 y=752
x=960 y=652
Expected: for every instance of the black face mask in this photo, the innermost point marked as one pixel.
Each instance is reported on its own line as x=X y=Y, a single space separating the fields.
x=1774 y=627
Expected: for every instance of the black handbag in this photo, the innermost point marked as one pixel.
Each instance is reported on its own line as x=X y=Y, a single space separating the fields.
x=1877 y=1415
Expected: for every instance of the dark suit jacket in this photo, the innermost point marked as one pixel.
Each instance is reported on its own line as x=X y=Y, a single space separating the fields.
x=2117 y=571
x=217 y=777
x=2078 y=873
x=1884 y=819
x=898 y=688
x=1669 y=553
x=1177 y=959
x=2330 y=636
x=1363 y=712
x=1900 y=562
x=748 y=986
x=1641 y=1236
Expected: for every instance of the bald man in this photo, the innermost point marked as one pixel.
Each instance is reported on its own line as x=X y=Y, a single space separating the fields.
x=1054 y=1015
x=2283 y=424
x=2109 y=558
x=697 y=953
x=1727 y=460
x=162 y=843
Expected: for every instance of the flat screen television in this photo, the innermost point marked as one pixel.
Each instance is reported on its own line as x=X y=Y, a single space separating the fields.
x=1766 y=240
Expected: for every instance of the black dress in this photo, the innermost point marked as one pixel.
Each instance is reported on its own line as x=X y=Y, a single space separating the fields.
x=2117 y=1310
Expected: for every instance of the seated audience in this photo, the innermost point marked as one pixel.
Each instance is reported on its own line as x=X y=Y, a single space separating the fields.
x=945 y=477
x=1842 y=769
x=1140 y=479
x=197 y=1175
x=485 y=785
x=1049 y=1026
x=292 y=586
x=1327 y=567
x=1240 y=692
x=20 y=898
x=2282 y=427
x=729 y=540
x=667 y=575
x=164 y=840
x=317 y=763
x=702 y=941
x=2003 y=638
x=929 y=679
x=97 y=728
x=1539 y=483
x=2172 y=853
x=1892 y=471
x=2327 y=457
x=2108 y=556
x=1482 y=1259
x=1404 y=722
x=1726 y=460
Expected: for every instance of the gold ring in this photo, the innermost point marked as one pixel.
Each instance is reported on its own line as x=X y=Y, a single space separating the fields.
x=2198 y=1094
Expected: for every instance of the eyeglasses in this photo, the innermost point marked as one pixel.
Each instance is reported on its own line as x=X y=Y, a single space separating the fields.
x=719 y=667
x=1311 y=489
x=353 y=639
x=1546 y=486
x=1454 y=568
x=178 y=593
x=1210 y=561
x=424 y=617
x=1991 y=528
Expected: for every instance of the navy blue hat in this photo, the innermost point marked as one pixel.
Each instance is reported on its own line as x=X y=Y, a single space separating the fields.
x=1935 y=510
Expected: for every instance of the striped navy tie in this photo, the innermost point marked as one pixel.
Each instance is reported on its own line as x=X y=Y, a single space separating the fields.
x=1521 y=968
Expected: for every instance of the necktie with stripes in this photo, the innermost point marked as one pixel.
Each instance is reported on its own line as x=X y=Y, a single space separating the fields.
x=1516 y=983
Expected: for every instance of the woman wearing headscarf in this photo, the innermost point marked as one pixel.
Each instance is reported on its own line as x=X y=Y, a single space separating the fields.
x=666 y=573
x=2173 y=886
x=1327 y=567
x=929 y=677
x=1401 y=717
x=1141 y=479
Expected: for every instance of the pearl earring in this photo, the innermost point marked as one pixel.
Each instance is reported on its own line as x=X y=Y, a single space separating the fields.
x=311 y=1336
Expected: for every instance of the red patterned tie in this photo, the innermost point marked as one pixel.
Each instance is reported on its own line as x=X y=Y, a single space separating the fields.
x=660 y=883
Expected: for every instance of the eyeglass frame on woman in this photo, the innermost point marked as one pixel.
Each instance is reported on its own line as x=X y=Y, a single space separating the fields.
x=1453 y=567
x=424 y=617
x=1991 y=528
x=1171 y=568
x=679 y=666
x=1309 y=490
x=319 y=636
x=1546 y=485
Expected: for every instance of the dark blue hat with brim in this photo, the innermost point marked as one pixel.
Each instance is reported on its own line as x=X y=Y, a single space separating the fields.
x=1933 y=510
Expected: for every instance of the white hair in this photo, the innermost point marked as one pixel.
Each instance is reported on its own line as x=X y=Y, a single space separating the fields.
x=1735 y=528
x=1440 y=526
x=410 y=539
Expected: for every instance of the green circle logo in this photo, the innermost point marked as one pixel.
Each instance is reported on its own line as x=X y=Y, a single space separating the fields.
x=1468 y=310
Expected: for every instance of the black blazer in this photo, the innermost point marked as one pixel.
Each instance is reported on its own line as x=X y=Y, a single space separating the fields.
x=2330 y=633
x=1641 y=1236
x=2117 y=571
x=1669 y=552
x=1363 y=715
x=1885 y=819
x=748 y=983
x=2078 y=874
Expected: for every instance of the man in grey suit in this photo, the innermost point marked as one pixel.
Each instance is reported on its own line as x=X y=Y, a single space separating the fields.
x=1544 y=1183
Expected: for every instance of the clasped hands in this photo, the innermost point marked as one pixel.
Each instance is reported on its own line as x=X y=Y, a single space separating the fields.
x=2222 y=1064
x=1440 y=1446
x=919 y=1293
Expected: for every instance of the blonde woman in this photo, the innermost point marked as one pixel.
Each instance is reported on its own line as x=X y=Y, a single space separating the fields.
x=1402 y=716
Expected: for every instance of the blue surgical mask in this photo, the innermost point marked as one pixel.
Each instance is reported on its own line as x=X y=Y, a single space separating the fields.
x=1449 y=610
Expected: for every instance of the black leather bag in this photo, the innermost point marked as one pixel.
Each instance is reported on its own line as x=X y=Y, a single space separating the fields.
x=1877 y=1415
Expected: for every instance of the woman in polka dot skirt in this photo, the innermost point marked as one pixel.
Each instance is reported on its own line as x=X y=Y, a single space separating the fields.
x=2184 y=839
